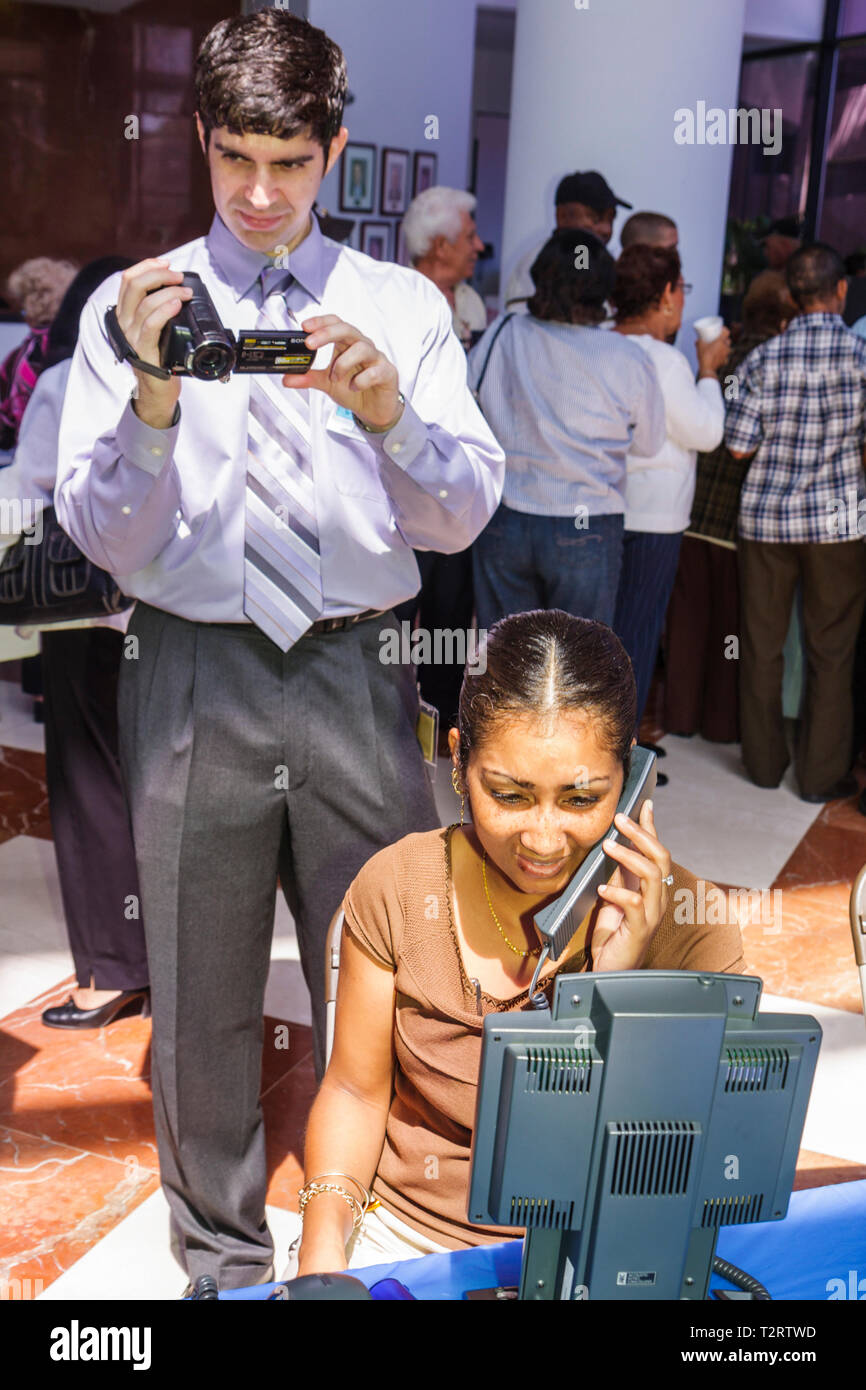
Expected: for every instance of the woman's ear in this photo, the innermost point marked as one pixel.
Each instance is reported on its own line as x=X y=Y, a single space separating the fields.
x=454 y=746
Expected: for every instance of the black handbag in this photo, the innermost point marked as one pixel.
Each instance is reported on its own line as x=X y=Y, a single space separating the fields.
x=50 y=581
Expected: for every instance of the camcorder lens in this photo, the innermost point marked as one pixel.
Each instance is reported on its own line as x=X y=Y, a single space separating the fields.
x=211 y=360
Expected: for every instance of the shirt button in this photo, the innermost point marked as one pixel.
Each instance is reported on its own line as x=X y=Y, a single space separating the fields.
x=127 y=511
x=443 y=492
x=396 y=448
x=156 y=451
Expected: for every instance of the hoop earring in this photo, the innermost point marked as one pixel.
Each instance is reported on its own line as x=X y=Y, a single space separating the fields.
x=455 y=782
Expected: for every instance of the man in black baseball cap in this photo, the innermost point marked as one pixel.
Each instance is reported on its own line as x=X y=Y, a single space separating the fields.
x=583 y=201
x=587 y=201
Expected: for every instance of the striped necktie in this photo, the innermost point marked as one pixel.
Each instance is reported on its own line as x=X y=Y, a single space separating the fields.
x=282 y=566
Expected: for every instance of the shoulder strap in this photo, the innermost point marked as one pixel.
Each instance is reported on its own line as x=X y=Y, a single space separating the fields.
x=477 y=390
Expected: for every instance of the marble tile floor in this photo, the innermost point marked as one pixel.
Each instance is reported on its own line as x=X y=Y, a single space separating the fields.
x=81 y=1211
x=79 y=1169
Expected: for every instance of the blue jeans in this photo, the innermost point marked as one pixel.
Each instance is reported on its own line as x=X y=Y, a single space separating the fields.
x=649 y=568
x=521 y=562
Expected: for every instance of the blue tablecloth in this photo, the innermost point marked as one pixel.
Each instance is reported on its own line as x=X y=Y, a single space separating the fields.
x=822 y=1238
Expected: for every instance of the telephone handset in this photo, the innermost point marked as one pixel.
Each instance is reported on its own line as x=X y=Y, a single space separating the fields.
x=557 y=923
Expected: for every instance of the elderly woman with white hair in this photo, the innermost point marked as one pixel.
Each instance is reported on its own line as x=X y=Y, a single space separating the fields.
x=443 y=244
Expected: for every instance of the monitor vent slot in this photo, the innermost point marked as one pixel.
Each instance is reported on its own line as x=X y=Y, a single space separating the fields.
x=652 y=1158
x=564 y=1071
x=541 y=1214
x=732 y=1211
x=755 y=1068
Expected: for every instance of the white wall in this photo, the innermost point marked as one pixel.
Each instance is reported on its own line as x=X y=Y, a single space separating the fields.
x=597 y=89
x=11 y=334
x=407 y=59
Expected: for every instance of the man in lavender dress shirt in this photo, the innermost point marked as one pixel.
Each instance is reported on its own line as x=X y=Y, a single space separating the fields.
x=246 y=758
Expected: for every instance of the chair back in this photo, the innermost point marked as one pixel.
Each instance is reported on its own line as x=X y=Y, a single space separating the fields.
x=857 y=910
x=333 y=942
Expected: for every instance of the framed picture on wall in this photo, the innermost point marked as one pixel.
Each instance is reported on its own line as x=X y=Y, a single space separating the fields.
x=376 y=240
x=424 y=174
x=395 y=182
x=401 y=255
x=358 y=178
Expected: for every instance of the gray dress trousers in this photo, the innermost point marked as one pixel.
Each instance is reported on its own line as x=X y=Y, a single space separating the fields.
x=243 y=763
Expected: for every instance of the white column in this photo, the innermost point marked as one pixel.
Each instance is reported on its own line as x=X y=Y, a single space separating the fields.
x=597 y=88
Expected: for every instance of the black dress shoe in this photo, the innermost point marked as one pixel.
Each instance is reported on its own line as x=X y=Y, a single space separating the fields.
x=840 y=791
x=653 y=748
x=128 y=1003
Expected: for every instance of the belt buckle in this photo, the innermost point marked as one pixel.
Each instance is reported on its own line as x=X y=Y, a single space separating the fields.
x=342 y=624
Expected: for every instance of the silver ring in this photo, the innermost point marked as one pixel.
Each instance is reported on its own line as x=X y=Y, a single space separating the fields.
x=668 y=879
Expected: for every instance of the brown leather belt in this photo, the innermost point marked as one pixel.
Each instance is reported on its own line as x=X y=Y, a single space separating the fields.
x=321 y=626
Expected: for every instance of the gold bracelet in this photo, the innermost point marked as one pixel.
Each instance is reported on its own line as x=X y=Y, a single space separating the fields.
x=314 y=1189
x=365 y=1194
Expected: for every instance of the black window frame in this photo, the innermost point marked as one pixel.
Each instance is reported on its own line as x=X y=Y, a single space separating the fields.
x=827 y=49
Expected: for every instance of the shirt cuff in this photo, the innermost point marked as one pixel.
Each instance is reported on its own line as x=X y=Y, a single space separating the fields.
x=145 y=447
x=405 y=441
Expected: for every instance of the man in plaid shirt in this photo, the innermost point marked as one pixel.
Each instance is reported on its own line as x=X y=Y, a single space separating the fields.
x=800 y=416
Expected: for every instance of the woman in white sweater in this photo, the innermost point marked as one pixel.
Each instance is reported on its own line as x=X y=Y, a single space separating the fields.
x=649 y=298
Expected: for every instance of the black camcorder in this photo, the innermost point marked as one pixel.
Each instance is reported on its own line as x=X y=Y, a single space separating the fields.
x=195 y=343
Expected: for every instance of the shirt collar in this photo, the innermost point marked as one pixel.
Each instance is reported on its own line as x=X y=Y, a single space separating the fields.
x=815 y=321
x=241 y=267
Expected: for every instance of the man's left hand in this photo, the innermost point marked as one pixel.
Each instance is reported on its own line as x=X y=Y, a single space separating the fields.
x=360 y=377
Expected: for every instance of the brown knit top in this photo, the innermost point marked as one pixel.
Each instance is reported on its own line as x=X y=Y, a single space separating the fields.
x=399 y=910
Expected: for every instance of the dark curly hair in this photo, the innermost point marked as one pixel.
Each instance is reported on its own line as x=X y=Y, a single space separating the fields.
x=573 y=275
x=270 y=73
x=542 y=662
x=642 y=272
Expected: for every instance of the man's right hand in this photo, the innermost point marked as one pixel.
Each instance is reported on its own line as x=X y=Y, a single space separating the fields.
x=142 y=317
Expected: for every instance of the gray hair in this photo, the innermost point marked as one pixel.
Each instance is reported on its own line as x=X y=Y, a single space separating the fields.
x=435 y=212
x=36 y=288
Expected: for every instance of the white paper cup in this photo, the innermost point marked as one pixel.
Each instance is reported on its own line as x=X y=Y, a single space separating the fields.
x=709 y=327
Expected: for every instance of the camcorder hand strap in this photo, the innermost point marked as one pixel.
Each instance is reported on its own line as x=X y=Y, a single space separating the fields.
x=123 y=350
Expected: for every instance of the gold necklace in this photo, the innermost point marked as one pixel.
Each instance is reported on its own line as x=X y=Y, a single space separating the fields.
x=510 y=944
